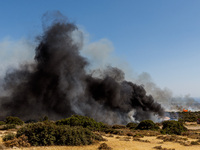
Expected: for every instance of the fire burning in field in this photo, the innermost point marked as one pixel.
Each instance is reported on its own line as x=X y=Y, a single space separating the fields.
x=61 y=82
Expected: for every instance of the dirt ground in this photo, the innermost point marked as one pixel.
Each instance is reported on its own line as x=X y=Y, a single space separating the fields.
x=117 y=142
x=192 y=126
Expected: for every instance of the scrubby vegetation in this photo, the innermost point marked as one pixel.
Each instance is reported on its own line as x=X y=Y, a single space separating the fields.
x=189 y=116
x=9 y=136
x=117 y=126
x=132 y=125
x=160 y=148
x=2 y=122
x=172 y=127
x=104 y=146
x=81 y=130
x=9 y=126
x=86 y=122
x=21 y=141
x=13 y=120
x=185 y=116
x=46 y=133
x=147 y=125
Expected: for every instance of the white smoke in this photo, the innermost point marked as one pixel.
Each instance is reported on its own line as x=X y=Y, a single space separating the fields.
x=13 y=53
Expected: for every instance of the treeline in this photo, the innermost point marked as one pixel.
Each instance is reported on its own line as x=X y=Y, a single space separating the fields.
x=185 y=116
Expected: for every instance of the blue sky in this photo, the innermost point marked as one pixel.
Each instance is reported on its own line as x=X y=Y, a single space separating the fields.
x=160 y=37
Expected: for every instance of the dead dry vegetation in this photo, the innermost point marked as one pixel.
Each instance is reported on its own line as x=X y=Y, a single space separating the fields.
x=97 y=136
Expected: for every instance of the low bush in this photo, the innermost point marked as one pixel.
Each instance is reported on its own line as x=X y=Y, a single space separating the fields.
x=132 y=125
x=31 y=121
x=130 y=134
x=191 y=134
x=104 y=146
x=9 y=126
x=112 y=131
x=138 y=136
x=2 y=122
x=140 y=140
x=46 y=133
x=194 y=143
x=13 y=120
x=116 y=126
x=147 y=125
x=169 y=138
x=160 y=148
x=84 y=121
x=21 y=141
x=9 y=136
x=172 y=127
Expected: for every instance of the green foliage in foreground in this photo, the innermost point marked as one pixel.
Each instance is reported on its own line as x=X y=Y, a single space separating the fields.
x=46 y=133
x=173 y=127
x=147 y=125
x=9 y=136
x=83 y=121
x=13 y=120
x=9 y=126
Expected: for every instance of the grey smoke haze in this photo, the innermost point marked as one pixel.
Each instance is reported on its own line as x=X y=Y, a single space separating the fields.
x=11 y=54
x=57 y=84
x=164 y=96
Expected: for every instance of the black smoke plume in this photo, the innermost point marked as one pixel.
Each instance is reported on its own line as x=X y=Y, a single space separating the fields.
x=57 y=85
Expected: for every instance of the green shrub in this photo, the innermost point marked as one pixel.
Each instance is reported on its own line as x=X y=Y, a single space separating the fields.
x=9 y=136
x=13 y=120
x=194 y=143
x=2 y=122
x=31 y=121
x=116 y=126
x=181 y=121
x=132 y=125
x=104 y=146
x=9 y=126
x=147 y=125
x=86 y=122
x=172 y=127
x=21 y=141
x=46 y=133
x=112 y=131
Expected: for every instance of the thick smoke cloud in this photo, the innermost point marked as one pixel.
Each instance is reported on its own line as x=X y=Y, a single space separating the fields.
x=57 y=85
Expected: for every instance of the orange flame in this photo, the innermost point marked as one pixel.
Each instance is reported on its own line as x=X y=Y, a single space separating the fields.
x=185 y=110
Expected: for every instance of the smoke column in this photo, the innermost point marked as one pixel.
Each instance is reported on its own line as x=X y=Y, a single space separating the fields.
x=57 y=85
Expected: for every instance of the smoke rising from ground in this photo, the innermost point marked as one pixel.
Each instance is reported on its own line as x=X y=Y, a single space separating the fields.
x=57 y=84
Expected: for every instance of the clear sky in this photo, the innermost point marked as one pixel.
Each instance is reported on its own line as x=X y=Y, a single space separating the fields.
x=160 y=37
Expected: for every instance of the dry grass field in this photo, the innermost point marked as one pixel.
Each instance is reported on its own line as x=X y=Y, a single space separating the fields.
x=119 y=142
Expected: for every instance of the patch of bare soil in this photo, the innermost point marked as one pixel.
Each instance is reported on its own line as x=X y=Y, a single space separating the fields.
x=192 y=126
